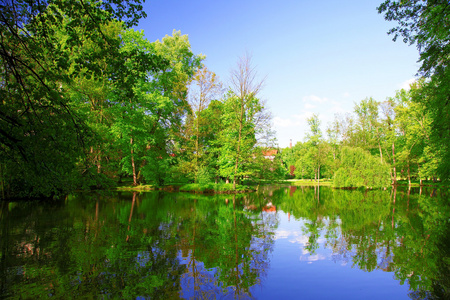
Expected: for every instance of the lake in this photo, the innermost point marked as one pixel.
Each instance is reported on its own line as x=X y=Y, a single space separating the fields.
x=281 y=242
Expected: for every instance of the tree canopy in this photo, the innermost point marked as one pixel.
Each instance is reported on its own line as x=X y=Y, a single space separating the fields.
x=426 y=24
x=86 y=101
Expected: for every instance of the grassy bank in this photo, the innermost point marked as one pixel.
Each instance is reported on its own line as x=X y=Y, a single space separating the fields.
x=309 y=182
x=416 y=183
x=329 y=182
x=219 y=188
x=206 y=188
x=143 y=187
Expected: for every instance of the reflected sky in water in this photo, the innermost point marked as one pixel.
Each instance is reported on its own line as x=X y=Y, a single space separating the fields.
x=323 y=274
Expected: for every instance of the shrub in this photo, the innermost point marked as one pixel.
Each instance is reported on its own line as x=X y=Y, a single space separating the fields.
x=204 y=176
x=360 y=169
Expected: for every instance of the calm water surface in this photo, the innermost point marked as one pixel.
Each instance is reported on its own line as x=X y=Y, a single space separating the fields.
x=282 y=242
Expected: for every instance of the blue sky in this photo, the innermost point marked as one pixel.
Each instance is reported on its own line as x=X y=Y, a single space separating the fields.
x=318 y=57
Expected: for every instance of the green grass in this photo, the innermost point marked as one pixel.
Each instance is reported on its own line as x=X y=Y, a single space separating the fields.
x=141 y=187
x=208 y=188
x=212 y=188
x=416 y=183
x=309 y=182
x=223 y=188
x=329 y=182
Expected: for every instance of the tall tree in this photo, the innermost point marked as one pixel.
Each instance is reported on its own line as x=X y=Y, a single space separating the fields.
x=146 y=121
x=314 y=137
x=414 y=123
x=247 y=114
x=335 y=134
x=369 y=132
x=204 y=88
x=389 y=135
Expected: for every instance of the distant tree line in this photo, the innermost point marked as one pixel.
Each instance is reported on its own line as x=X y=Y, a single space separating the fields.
x=408 y=134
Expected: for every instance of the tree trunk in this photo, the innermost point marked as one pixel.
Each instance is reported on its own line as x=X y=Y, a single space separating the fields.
x=381 y=152
x=2 y=182
x=133 y=165
x=409 y=177
x=99 y=164
x=241 y=121
x=318 y=174
x=99 y=161
x=395 y=193
x=393 y=163
x=196 y=150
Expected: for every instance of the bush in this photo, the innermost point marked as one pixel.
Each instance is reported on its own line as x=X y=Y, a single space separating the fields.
x=360 y=169
x=204 y=176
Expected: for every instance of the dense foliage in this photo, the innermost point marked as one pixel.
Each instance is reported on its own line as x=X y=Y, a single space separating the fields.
x=87 y=101
x=426 y=24
x=360 y=169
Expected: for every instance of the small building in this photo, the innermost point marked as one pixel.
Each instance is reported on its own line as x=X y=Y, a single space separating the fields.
x=270 y=154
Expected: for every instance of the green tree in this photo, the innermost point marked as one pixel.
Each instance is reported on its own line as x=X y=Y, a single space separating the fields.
x=369 y=134
x=425 y=23
x=41 y=133
x=244 y=120
x=204 y=88
x=414 y=123
x=389 y=141
x=318 y=148
x=359 y=169
x=145 y=123
x=334 y=134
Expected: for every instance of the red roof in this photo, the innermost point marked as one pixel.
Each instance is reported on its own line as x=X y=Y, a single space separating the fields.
x=271 y=152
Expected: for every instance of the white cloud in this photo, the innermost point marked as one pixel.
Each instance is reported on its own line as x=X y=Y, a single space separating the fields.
x=279 y=122
x=405 y=85
x=311 y=258
x=282 y=234
x=315 y=99
x=299 y=240
x=293 y=236
x=301 y=118
x=292 y=121
x=346 y=95
x=309 y=106
x=336 y=108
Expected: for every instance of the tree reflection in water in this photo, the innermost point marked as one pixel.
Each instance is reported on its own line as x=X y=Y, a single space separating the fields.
x=155 y=245
x=228 y=252
x=171 y=245
x=405 y=231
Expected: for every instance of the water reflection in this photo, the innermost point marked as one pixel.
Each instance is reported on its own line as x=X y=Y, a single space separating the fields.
x=400 y=231
x=271 y=244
